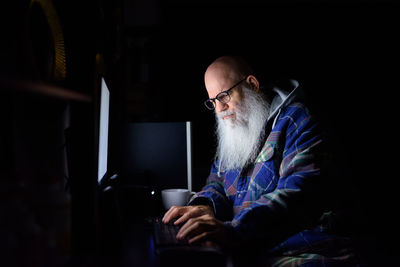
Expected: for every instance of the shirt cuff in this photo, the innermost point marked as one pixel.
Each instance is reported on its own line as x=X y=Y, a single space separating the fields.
x=201 y=201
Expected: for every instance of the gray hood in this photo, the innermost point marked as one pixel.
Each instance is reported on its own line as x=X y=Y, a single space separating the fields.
x=283 y=98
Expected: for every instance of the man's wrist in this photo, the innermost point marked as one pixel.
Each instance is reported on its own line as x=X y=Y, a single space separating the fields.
x=201 y=201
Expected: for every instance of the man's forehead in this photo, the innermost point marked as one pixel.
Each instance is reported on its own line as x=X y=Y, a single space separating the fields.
x=215 y=86
x=218 y=78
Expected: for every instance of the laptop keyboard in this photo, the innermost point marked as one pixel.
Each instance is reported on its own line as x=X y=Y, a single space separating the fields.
x=165 y=234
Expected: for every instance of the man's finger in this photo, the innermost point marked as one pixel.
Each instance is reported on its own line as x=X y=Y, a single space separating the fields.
x=173 y=212
x=192 y=226
x=165 y=219
x=198 y=238
x=186 y=216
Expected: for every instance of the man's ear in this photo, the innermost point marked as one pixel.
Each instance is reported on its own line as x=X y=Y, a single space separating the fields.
x=253 y=82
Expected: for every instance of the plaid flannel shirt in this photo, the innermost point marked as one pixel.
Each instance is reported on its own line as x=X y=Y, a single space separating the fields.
x=277 y=201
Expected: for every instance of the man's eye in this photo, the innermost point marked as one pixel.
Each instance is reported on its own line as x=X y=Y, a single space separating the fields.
x=223 y=97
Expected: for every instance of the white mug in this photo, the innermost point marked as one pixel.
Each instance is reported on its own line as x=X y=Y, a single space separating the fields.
x=175 y=197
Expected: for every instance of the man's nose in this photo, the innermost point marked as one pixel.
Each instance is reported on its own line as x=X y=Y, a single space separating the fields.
x=219 y=107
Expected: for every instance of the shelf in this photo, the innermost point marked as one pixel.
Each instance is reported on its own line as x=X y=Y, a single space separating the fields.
x=43 y=89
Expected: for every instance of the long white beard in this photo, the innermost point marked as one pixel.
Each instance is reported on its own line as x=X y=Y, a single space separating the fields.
x=239 y=139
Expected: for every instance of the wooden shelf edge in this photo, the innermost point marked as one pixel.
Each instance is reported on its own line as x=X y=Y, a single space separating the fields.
x=43 y=89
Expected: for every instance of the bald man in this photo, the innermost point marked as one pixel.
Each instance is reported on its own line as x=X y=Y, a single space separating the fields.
x=265 y=188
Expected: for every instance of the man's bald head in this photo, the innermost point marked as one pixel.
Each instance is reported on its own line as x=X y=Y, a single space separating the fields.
x=230 y=68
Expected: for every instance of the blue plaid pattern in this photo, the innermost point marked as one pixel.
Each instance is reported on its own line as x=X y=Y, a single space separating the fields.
x=273 y=201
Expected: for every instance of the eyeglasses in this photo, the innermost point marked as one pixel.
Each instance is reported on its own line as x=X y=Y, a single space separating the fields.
x=222 y=97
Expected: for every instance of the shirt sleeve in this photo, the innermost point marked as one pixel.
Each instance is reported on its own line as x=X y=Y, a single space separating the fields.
x=284 y=211
x=213 y=194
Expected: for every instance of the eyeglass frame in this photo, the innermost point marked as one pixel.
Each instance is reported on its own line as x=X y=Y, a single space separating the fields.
x=212 y=100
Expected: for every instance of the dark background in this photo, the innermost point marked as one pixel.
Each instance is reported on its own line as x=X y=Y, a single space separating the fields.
x=344 y=54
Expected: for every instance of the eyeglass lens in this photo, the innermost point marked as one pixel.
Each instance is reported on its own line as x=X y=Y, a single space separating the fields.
x=222 y=97
x=210 y=104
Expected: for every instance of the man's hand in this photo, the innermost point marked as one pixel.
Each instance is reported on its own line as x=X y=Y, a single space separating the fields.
x=186 y=212
x=202 y=229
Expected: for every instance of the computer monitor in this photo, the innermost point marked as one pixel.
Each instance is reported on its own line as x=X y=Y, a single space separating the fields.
x=103 y=130
x=157 y=154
